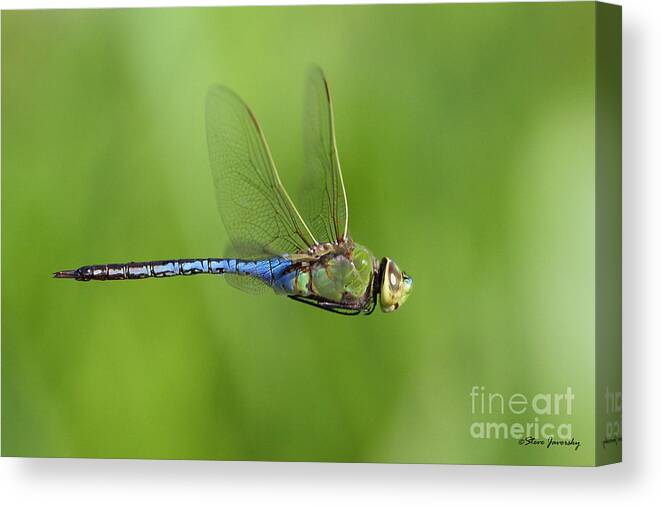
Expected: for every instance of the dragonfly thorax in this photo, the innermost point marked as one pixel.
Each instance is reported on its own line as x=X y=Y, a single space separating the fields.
x=344 y=275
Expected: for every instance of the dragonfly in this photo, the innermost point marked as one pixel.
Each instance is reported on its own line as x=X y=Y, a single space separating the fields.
x=316 y=261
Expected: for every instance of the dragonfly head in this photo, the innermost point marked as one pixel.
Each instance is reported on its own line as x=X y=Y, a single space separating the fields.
x=396 y=286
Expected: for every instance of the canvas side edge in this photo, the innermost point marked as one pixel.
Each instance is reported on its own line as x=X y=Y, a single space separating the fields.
x=608 y=234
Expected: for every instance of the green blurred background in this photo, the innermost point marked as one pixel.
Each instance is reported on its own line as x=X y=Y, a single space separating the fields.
x=466 y=134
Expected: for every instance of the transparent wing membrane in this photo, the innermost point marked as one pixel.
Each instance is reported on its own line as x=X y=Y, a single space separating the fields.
x=246 y=284
x=323 y=197
x=256 y=210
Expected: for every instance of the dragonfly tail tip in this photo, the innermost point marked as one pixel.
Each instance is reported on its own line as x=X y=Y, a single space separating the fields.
x=69 y=274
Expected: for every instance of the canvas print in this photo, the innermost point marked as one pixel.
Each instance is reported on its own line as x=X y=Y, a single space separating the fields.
x=437 y=185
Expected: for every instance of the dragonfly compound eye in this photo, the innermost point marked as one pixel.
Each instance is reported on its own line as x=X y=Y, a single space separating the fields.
x=395 y=286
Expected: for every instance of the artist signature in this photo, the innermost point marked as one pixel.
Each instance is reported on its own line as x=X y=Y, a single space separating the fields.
x=613 y=440
x=549 y=442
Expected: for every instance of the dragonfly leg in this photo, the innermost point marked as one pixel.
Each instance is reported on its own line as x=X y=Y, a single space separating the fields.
x=328 y=306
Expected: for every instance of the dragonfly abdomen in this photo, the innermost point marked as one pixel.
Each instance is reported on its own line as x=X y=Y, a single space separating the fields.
x=266 y=270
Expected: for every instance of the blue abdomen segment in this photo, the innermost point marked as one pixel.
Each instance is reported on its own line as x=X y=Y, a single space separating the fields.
x=268 y=270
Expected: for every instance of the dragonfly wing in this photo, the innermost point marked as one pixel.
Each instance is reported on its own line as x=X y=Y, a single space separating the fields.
x=323 y=197
x=257 y=212
x=246 y=284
